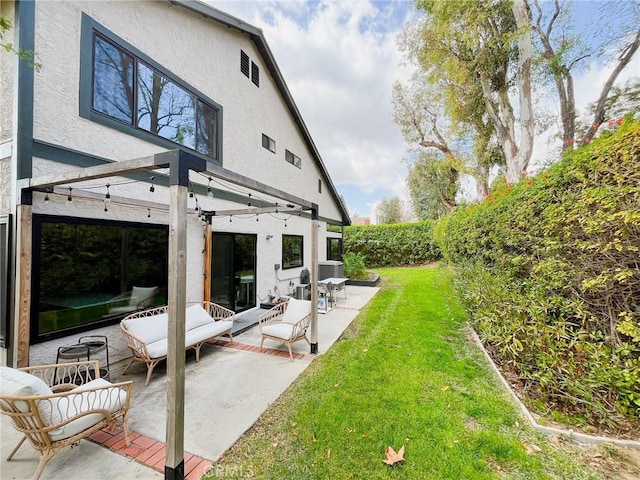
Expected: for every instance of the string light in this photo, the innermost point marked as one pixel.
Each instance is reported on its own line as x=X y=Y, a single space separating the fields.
x=105 y=206
x=148 y=213
x=152 y=188
x=69 y=199
x=209 y=191
x=249 y=202
x=46 y=198
x=107 y=197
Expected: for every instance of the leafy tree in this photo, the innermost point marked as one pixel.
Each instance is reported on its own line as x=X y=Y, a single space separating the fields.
x=480 y=52
x=562 y=51
x=390 y=210
x=430 y=189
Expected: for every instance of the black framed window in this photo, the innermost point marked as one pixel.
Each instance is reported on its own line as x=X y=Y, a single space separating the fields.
x=84 y=268
x=334 y=249
x=5 y=268
x=292 y=251
x=292 y=159
x=268 y=143
x=125 y=89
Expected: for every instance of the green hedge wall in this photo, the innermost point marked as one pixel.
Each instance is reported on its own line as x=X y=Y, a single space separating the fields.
x=550 y=272
x=392 y=245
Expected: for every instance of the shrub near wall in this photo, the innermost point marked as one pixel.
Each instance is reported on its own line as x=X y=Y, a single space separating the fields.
x=392 y=245
x=550 y=272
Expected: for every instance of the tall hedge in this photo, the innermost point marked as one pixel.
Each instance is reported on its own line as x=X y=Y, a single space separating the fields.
x=550 y=271
x=392 y=245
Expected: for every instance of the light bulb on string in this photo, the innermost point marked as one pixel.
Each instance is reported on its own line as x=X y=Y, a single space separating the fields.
x=209 y=191
x=46 y=198
x=148 y=213
x=230 y=220
x=69 y=199
x=152 y=188
x=107 y=196
x=105 y=206
x=249 y=202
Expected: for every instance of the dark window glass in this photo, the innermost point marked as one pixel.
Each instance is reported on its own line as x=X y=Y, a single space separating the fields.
x=112 y=81
x=292 y=159
x=292 y=251
x=268 y=143
x=85 y=269
x=207 y=130
x=165 y=108
x=334 y=249
x=4 y=278
x=244 y=63
x=255 y=74
x=162 y=106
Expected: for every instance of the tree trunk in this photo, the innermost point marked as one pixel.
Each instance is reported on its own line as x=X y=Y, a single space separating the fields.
x=525 y=48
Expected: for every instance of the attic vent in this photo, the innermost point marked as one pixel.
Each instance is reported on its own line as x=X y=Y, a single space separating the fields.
x=255 y=74
x=244 y=63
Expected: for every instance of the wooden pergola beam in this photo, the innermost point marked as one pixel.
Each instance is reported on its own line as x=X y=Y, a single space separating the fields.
x=113 y=169
x=252 y=211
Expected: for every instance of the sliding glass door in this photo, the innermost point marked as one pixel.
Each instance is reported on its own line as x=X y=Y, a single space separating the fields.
x=233 y=271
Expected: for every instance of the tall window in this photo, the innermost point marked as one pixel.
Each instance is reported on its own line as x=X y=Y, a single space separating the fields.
x=128 y=87
x=292 y=251
x=83 y=268
x=5 y=228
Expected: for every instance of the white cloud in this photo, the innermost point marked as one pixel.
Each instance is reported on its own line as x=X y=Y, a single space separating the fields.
x=340 y=61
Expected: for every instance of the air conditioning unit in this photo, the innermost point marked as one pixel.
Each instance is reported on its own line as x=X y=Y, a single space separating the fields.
x=330 y=269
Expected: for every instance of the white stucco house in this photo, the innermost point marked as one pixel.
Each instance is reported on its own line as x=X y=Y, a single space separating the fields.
x=148 y=82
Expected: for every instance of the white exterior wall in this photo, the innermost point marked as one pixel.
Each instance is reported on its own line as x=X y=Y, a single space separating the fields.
x=206 y=56
x=202 y=53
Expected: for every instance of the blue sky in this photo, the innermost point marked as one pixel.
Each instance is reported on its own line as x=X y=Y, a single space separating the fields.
x=340 y=61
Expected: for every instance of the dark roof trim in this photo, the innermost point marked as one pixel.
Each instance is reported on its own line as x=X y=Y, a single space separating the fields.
x=259 y=40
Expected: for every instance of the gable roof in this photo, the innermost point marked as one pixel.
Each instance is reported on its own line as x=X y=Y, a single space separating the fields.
x=260 y=42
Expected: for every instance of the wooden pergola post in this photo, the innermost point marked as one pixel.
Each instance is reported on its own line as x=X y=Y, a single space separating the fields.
x=314 y=279
x=174 y=461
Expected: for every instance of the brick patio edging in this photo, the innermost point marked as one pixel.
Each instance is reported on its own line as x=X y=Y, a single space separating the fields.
x=147 y=451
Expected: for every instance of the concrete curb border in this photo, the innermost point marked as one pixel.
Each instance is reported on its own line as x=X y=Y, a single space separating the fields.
x=552 y=431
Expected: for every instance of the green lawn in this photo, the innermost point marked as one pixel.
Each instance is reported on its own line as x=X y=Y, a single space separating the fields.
x=404 y=373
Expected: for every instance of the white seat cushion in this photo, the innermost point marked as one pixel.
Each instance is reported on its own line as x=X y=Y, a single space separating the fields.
x=296 y=310
x=205 y=332
x=282 y=331
x=158 y=349
x=80 y=400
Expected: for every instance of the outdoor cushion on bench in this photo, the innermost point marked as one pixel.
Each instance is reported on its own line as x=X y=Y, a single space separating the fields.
x=52 y=414
x=146 y=332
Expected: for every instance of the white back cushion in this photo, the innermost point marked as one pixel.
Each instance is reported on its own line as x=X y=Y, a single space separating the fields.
x=296 y=310
x=196 y=316
x=18 y=383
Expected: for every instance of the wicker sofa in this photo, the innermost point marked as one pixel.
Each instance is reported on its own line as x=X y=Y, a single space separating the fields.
x=145 y=332
x=55 y=406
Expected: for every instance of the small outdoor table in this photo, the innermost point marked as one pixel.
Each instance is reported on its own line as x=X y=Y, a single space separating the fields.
x=331 y=285
x=87 y=347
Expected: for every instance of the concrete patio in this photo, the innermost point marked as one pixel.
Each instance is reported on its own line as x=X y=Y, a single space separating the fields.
x=225 y=393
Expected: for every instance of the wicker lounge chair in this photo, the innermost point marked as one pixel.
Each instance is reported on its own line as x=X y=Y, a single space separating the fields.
x=56 y=406
x=287 y=322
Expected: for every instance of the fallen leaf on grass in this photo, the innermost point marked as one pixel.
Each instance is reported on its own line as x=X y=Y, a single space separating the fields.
x=445 y=388
x=313 y=437
x=393 y=457
x=329 y=453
